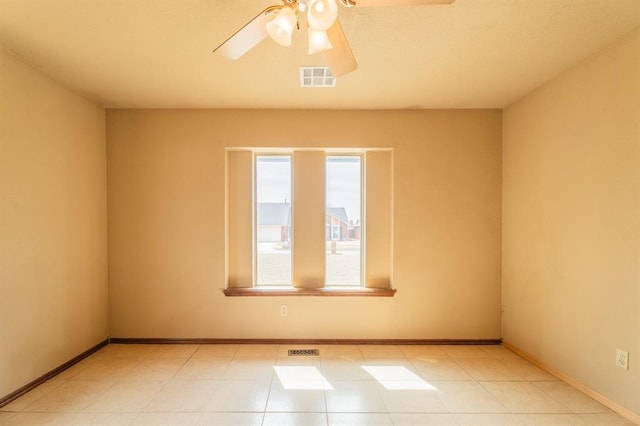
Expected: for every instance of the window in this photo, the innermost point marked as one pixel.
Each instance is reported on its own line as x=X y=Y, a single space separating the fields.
x=295 y=222
x=273 y=219
x=344 y=213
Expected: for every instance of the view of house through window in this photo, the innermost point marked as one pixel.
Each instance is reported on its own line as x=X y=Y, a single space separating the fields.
x=343 y=220
x=273 y=219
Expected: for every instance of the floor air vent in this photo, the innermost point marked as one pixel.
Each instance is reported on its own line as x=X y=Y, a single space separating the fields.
x=304 y=352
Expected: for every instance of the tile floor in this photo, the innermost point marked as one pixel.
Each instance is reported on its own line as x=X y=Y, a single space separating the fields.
x=346 y=385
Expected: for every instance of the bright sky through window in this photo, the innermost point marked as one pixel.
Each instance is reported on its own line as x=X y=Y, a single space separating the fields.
x=344 y=184
x=273 y=174
x=343 y=180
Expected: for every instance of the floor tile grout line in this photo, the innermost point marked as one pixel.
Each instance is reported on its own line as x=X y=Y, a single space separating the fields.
x=163 y=383
x=471 y=374
x=33 y=402
x=562 y=402
x=266 y=402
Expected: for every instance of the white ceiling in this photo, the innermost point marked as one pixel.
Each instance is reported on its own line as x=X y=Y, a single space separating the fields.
x=157 y=53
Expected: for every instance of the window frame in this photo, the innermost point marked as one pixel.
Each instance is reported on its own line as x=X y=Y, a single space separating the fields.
x=309 y=280
x=363 y=216
x=254 y=213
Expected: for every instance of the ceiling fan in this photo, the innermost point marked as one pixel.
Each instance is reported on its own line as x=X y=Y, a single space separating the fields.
x=324 y=31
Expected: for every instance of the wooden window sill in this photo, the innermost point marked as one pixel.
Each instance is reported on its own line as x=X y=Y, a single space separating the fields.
x=325 y=292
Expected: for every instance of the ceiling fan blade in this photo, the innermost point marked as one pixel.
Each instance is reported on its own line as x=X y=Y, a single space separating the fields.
x=252 y=33
x=340 y=58
x=376 y=3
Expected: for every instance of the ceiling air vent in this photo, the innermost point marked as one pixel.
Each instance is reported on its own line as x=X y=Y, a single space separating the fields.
x=316 y=77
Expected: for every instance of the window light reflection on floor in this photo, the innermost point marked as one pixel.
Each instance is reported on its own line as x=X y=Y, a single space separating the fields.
x=302 y=378
x=397 y=377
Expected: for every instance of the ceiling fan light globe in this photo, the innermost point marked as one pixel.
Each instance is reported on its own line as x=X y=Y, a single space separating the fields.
x=280 y=28
x=318 y=41
x=322 y=14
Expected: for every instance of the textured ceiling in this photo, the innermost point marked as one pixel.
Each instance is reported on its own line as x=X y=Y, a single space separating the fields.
x=157 y=53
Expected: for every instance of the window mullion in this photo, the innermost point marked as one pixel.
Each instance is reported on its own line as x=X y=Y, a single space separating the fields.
x=308 y=219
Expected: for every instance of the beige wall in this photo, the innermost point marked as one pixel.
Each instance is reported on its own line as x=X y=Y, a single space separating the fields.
x=53 y=239
x=571 y=235
x=166 y=224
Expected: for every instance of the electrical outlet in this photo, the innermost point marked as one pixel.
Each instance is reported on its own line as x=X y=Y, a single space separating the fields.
x=283 y=310
x=622 y=359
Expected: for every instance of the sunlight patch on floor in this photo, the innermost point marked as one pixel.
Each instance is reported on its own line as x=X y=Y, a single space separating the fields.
x=301 y=378
x=397 y=377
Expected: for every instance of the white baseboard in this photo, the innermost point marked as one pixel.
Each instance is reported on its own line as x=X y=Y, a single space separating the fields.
x=623 y=411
